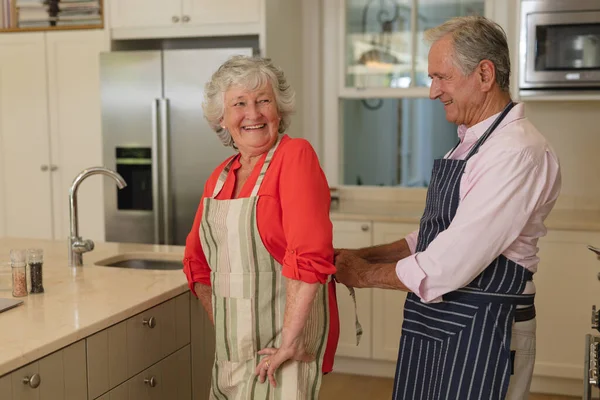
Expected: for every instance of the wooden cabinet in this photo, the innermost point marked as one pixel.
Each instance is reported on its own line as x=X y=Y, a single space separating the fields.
x=566 y=288
x=49 y=131
x=24 y=137
x=75 y=130
x=202 y=349
x=388 y=305
x=144 y=13
x=221 y=11
x=169 y=379
x=123 y=350
x=182 y=13
x=353 y=235
x=60 y=375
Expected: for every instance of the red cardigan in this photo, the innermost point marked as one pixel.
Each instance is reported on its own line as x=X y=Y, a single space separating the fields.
x=292 y=218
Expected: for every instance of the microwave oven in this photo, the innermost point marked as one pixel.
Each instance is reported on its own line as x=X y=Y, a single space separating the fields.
x=559 y=45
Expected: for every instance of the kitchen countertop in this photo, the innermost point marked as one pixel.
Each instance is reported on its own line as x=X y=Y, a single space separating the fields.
x=79 y=301
x=410 y=213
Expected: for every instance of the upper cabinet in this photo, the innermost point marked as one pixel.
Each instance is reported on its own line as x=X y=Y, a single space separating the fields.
x=384 y=44
x=220 y=11
x=144 y=13
x=177 y=18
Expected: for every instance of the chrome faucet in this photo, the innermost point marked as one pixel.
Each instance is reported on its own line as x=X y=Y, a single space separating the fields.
x=78 y=245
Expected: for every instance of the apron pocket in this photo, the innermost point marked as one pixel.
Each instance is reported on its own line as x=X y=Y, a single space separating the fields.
x=234 y=326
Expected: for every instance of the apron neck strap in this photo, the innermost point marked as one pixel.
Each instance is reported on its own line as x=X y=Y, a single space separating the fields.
x=264 y=167
x=223 y=177
x=225 y=172
x=489 y=130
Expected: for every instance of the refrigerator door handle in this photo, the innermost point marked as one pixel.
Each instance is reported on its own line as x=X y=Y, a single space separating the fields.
x=156 y=204
x=165 y=170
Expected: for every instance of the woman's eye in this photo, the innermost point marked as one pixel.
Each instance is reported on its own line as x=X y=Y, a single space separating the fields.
x=265 y=101
x=239 y=104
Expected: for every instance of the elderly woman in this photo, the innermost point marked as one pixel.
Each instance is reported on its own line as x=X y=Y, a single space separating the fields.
x=259 y=255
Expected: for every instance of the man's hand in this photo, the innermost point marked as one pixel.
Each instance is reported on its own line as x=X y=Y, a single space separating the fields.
x=351 y=269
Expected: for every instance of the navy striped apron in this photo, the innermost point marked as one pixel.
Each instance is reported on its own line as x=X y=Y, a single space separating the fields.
x=459 y=348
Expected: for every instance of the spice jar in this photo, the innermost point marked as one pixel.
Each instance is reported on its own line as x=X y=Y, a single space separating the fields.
x=35 y=259
x=19 y=273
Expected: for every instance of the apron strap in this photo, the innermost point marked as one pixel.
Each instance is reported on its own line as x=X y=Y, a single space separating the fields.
x=489 y=130
x=264 y=167
x=222 y=177
x=225 y=172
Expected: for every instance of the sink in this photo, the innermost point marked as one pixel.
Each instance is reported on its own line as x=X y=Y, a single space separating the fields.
x=154 y=261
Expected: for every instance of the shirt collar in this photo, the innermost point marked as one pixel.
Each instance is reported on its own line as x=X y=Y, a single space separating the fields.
x=477 y=130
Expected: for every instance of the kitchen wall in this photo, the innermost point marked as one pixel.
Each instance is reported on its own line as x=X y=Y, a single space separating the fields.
x=573 y=129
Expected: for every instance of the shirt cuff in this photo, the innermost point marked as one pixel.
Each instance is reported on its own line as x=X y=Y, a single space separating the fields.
x=292 y=269
x=411 y=240
x=412 y=276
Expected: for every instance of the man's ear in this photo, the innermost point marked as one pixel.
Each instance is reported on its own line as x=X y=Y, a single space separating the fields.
x=487 y=74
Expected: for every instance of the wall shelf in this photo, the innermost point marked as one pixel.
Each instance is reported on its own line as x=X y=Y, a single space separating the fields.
x=94 y=23
x=52 y=28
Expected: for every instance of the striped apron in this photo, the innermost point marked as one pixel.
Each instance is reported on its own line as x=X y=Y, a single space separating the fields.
x=248 y=299
x=459 y=348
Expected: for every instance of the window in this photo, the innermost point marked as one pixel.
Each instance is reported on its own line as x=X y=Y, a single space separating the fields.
x=388 y=130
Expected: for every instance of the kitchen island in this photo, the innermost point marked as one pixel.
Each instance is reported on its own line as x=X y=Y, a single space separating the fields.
x=106 y=306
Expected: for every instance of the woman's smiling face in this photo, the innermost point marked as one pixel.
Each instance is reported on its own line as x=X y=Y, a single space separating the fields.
x=252 y=118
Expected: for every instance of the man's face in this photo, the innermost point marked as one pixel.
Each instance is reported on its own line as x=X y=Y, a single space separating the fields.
x=461 y=95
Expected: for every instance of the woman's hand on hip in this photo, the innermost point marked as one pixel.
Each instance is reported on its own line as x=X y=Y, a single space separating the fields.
x=275 y=357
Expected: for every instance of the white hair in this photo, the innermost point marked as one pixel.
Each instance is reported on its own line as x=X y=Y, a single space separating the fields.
x=475 y=39
x=251 y=73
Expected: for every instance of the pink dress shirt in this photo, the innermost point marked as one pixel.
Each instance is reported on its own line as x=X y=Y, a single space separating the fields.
x=507 y=191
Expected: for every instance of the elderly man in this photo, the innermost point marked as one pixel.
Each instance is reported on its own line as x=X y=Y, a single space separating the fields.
x=469 y=319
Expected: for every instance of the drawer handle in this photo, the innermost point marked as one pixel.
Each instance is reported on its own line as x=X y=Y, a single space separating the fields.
x=365 y=227
x=150 y=322
x=150 y=381
x=33 y=381
x=175 y=19
x=185 y=18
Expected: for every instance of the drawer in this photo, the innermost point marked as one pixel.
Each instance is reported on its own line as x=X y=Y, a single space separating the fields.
x=127 y=348
x=170 y=379
x=60 y=375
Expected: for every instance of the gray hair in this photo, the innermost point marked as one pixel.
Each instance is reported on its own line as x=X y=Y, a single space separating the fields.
x=475 y=39
x=251 y=73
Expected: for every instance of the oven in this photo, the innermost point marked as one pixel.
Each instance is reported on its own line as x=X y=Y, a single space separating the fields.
x=559 y=45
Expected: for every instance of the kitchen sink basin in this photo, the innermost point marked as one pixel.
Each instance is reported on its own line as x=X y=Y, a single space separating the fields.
x=154 y=261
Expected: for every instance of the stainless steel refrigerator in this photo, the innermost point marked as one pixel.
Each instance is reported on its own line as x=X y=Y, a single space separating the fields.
x=156 y=137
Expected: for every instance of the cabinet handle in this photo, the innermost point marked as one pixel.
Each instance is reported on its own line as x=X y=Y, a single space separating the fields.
x=53 y=167
x=186 y=18
x=364 y=228
x=151 y=322
x=175 y=18
x=150 y=381
x=43 y=168
x=33 y=381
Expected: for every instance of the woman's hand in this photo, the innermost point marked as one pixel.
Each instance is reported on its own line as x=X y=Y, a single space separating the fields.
x=275 y=357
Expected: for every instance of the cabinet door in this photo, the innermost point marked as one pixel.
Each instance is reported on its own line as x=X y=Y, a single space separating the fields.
x=6 y=386
x=203 y=349
x=388 y=305
x=197 y=12
x=144 y=13
x=177 y=376
x=566 y=288
x=168 y=379
x=60 y=375
x=26 y=196
x=353 y=235
x=75 y=130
